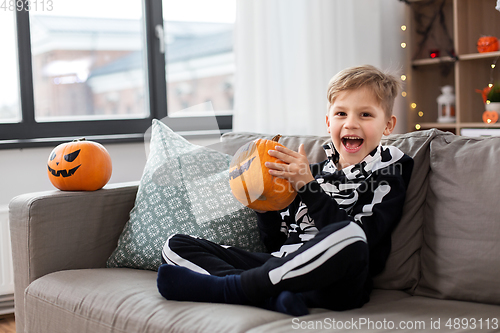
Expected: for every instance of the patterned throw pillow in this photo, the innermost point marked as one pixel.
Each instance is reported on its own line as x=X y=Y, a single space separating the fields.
x=184 y=190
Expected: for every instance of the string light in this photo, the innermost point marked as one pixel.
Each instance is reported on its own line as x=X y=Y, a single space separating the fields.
x=493 y=65
x=403 y=78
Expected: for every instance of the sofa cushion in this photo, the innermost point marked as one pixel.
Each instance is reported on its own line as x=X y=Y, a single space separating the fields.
x=119 y=300
x=403 y=265
x=392 y=311
x=184 y=190
x=402 y=269
x=460 y=253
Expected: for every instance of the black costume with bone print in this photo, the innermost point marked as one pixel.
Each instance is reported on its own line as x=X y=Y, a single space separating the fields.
x=327 y=245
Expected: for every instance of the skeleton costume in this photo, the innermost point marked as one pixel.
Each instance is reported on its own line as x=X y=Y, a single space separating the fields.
x=327 y=245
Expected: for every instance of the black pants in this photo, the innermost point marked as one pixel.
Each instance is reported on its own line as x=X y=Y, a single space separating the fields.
x=330 y=270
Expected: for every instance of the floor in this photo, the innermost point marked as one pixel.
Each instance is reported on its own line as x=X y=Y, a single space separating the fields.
x=7 y=324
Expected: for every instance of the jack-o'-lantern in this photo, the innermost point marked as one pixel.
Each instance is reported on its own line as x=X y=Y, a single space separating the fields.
x=490 y=117
x=79 y=165
x=250 y=181
x=487 y=44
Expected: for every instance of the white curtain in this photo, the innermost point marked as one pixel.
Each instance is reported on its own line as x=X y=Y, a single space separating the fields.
x=287 y=51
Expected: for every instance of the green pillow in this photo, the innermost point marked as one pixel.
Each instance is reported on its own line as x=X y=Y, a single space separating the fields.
x=184 y=190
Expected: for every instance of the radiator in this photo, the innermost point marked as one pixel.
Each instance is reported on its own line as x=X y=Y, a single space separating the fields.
x=6 y=268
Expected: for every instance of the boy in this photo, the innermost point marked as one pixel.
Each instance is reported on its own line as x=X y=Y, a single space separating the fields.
x=334 y=237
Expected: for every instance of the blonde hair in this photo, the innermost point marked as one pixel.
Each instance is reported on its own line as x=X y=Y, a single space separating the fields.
x=385 y=86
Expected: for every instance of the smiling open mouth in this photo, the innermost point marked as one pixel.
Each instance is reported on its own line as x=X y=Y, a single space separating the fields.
x=352 y=142
x=64 y=173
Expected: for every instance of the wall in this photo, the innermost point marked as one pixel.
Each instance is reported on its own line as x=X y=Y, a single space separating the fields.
x=6 y=267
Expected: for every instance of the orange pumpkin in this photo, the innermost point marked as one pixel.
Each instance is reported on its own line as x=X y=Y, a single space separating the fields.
x=487 y=44
x=250 y=181
x=490 y=117
x=79 y=165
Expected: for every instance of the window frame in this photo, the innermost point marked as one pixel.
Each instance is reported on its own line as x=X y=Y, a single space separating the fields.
x=30 y=133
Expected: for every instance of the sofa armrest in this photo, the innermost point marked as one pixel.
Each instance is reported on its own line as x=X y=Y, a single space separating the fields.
x=59 y=230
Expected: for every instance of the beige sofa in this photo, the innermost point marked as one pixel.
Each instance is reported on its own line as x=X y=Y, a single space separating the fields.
x=443 y=273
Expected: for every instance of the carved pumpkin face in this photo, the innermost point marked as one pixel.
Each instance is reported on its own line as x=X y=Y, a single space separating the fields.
x=490 y=117
x=79 y=166
x=487 y=44
x=250 y=181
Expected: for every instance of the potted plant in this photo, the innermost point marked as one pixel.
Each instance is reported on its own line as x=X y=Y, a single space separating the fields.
x=493 y=99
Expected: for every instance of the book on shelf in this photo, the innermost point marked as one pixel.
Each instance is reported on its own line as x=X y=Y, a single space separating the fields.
x=480 y=132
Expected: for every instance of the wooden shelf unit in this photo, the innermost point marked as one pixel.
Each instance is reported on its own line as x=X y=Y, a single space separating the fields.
x=466 y=21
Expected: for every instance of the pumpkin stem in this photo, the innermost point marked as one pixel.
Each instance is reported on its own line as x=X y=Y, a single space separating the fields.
x=276 y=138
x=78 y=140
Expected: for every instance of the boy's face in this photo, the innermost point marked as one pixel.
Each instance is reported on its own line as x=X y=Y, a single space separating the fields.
x=356 y=123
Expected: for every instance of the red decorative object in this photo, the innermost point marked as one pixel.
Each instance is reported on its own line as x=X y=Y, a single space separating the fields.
x=484 y=93
x=487 y=44
x=434 y=53
x=490 y=117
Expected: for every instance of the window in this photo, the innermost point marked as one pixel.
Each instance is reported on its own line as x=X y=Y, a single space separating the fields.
x=199 y=57
x=87 y=66
x=105 y=69
x=10 y=110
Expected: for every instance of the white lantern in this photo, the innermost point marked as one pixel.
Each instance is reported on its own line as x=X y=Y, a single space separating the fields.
x=446 y=105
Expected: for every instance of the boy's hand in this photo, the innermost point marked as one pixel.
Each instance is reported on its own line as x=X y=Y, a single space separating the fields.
x=295 y=168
